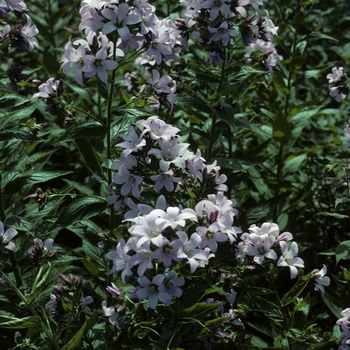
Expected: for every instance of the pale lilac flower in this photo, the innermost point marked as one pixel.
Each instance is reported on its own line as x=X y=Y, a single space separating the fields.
x=110 y=313
x=223 y=33
x=133 y=142
x=268 y=26
x=168 y=252
x=51 y=89
x=344 y=322
x=42 y=248
x=159 y=47
x=143 y=258
x=129 y=182
x=165 y=179
x=6 y=236
x=114 y=290
x=254 y=3
x=149 y=290
x=28 y=32
x=288 y=258
x=267 y=228
x=173 y=217
x=216 y=7
x=100 y=65
x=170 y=288
x=210 y=236
x=321 y=279
x=337 y=83
x=347 y=135
x=261 y=248
x=266 y=53
x=190 y=250
x=162 y=84
x=13 y=5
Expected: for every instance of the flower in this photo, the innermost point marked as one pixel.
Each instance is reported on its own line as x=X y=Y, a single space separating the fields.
x=337 y=83
x=320 y=279
x=27 y=33
x=288 y=258
x=344 y=322
x=6 y=236
x=41 y=250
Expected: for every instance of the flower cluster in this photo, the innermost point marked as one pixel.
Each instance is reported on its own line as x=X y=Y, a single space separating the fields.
x=344 y=323
x=337 y=83
x=215 y=23
x=6 y=237
x=259 y=244
x=154 y=158
x=133 y=26
x=41 y=251
x=68 y=297
x=20 y=35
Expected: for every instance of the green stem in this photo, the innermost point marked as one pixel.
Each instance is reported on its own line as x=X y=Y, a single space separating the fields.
x=109 y=130
x=2 y=208
x=90 y=115
x=214 y=115
x=32 y=310
x=15 y=268
x=285 y=319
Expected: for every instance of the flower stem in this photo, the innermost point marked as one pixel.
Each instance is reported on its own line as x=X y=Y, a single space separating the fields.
x=214 y=115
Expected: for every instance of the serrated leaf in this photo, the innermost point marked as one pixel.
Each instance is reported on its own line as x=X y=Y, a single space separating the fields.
x=83 y=130
x=198 y=311
x=194 y=102
x=342 y=252
x=282 y=130
x=84 y=208
x=88 y=324
x=244 y=124
x=218 y=290
x=294 y=292
x=131 y=112
x=17 y=134
x=336 y=215
x=293 y=163
x=91 y=158
x=40 y=286
x=32 y=179
x=19 y=323
x=102 y=89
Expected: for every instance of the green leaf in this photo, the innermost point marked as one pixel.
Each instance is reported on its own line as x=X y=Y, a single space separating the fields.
x=19 y=323
x=133 y=113
x=17 y=134
x=336 y=215
x=83 y=130
x=40 y=286
x=91 y=158
x=282 y=131
x=296 y=290
x=342 y=251
x=293 y=163
x=244 y=124
x=32 y=179
x=14 y=107
x=218 y=290
x=84 y=208
x=102 y=89
x=88 y=324
x=270 y=309
x=194 y=102
x=198 y=310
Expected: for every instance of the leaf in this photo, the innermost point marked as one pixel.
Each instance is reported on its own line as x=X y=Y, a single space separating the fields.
x=88 y=324
x=293 y=163
x=342 y=251
x=17 y=134
x=244 y=124
x=270 y=309
x=32 y=179
x=336 y=215
x=84 y=208
x=198 y=310
x=83 y=130
x=131 y=112
x=91 y=158
x=14 y=107
x=19 y=323
x=102 y=89
x=40 y=286
x=194 y=102
x=282 y=130
x=294 y=292
x=218 y=290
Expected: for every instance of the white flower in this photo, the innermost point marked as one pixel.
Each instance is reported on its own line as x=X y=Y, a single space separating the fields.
x=28 y=32
x=6 y=236
x=320 y=279
x=288 y=258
